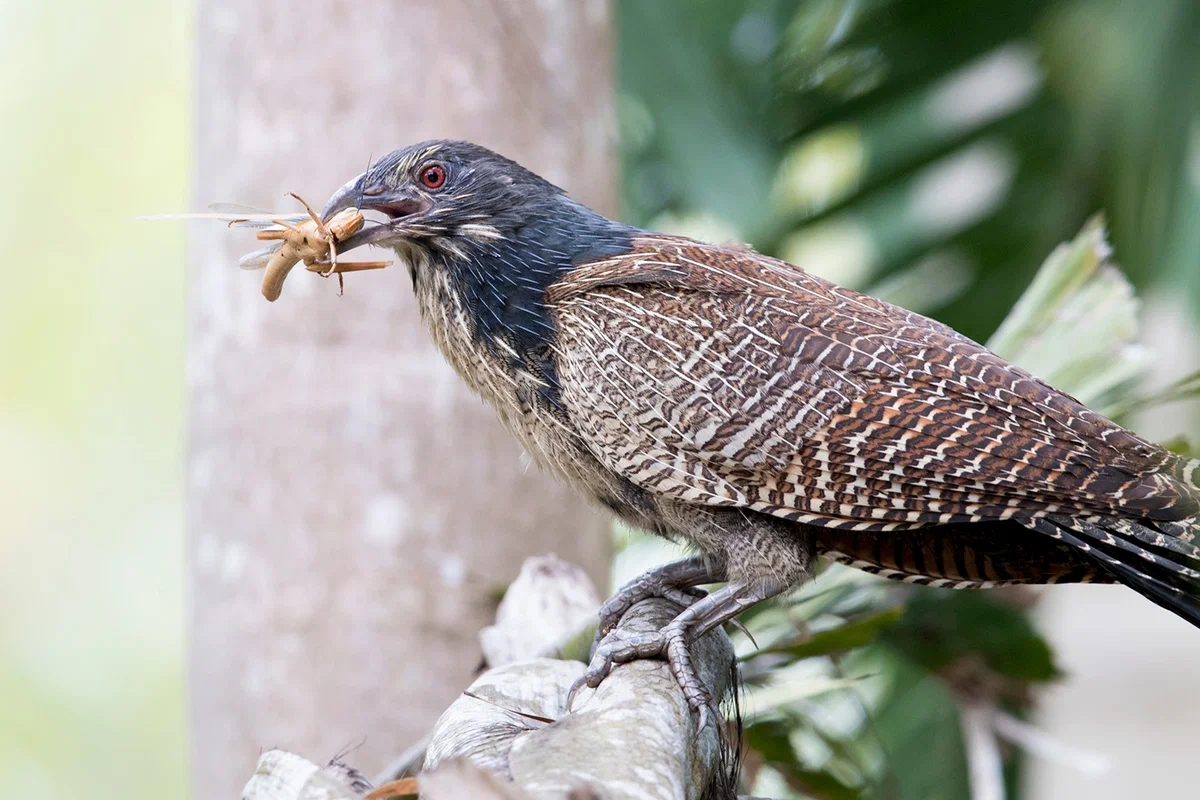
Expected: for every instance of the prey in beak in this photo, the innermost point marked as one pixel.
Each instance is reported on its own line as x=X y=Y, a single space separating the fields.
x=370 y=192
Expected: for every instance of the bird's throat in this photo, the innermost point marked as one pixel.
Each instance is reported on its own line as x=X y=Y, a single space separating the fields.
x=483 y=296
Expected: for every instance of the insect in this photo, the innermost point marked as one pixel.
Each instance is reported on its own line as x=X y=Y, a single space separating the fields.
x=294 y=238
x=298 y=239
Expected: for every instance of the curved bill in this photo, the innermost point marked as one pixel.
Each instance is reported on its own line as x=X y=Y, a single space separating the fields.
x=355 y=193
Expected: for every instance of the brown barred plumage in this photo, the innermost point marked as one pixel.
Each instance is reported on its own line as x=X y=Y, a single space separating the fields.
x=763 y=414
x=788 y=395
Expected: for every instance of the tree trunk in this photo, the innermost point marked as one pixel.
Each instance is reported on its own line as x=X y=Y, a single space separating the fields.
x=352 y=508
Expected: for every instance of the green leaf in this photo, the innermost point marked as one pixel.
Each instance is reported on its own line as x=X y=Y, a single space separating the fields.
x=1076 y=325
x=706 y=143
x=1182 y=445
x=1064 y=272
x=940 y=628
x=918 y=733
x=818 y=784
x=783 y=692
x=1187 y=388
x=855 y=633
x=772 y=741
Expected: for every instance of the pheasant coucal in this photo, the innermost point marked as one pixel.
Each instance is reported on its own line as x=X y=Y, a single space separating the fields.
x=765 y=416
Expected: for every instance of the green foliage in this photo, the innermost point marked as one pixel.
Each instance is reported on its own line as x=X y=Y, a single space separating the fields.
x=668 y=166
x=1076 y=325
x=1187 y=388
x=771 y=741
x=916 y=730
x=931 y=152
x=1183 y=446
x=852 y=633
x=96 y=129
x=940 y=629
x=864 y=137
x=907 y=655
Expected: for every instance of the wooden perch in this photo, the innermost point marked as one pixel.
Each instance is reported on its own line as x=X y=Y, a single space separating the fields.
x=633 y=737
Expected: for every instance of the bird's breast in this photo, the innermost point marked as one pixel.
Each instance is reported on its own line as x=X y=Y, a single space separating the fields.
x=520 y=398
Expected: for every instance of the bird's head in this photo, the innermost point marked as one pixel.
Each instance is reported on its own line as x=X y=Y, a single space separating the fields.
x=480 y=232
x=456 y=201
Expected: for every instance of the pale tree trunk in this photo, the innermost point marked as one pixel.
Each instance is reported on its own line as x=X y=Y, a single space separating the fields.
x=352 y=508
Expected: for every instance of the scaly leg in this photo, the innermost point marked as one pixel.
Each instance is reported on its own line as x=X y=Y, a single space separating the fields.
x=673 y=641
x=674 y=581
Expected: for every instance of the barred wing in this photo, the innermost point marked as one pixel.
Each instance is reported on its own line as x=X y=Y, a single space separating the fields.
x=714 y=375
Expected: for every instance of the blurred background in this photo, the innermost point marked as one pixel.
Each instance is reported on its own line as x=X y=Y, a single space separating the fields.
x=930 y=151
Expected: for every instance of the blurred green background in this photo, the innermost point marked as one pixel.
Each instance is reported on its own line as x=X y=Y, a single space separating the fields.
x=934 y=151
x=96 y=128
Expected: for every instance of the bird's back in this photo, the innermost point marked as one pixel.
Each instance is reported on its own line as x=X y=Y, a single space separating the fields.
x=719 y=377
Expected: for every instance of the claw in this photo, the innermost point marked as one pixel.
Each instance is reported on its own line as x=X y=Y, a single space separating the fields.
x=674 y=581
x=706 y=715
x=579 y=683
x=672 y=644
x=741 y=626
x=703 y=612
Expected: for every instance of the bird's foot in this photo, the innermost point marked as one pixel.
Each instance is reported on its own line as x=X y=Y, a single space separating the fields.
x=671 y=644
x=641 y=588
x=675 y=581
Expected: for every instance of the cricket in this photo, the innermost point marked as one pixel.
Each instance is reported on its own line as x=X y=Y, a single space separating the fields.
x=294 y=238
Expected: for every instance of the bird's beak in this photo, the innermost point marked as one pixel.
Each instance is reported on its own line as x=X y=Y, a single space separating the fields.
x=367 y=193
x=345 y=197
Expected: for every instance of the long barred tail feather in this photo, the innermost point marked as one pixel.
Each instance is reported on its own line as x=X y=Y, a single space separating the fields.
x=1138 y=542
x=1188 y=469
x=1182 y=468
x=1136 y=556
x=1183 y=531
x=1172 y=537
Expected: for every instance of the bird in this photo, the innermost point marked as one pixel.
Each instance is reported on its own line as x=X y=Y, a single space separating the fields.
x=760 y=414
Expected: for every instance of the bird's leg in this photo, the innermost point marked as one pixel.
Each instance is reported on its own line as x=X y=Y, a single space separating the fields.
x=673 y=641
x=674 y=581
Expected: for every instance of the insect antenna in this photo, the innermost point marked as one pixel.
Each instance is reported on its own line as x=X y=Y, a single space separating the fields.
x=313 y=214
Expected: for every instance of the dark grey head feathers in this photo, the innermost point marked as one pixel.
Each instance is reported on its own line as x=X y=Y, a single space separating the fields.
x=498 y=233
x=463 y=193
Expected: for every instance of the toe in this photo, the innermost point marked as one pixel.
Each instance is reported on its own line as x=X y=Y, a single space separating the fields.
x=597 y=671
x=628 y=648
x=679 y=656
x=707 y=714
x=579 y=683
x=683 y=597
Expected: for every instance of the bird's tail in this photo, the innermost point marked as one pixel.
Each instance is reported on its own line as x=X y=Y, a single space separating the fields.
x=1182 y=468
x=1156 y=559
x=1189 y=469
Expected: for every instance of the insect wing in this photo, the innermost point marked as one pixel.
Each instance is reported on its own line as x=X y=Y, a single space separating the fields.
x=259 y=258
x=240 y=210
x=241 y=216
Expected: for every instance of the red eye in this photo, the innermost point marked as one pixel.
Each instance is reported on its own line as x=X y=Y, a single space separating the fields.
x=433 y=176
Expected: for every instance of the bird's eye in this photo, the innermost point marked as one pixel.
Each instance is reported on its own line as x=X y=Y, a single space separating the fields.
x=433 y=176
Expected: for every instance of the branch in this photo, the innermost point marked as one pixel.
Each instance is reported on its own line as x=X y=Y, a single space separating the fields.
x=634 y=732
x=634 y=736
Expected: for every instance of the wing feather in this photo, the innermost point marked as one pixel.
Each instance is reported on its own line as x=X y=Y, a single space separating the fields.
x=718 y=376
